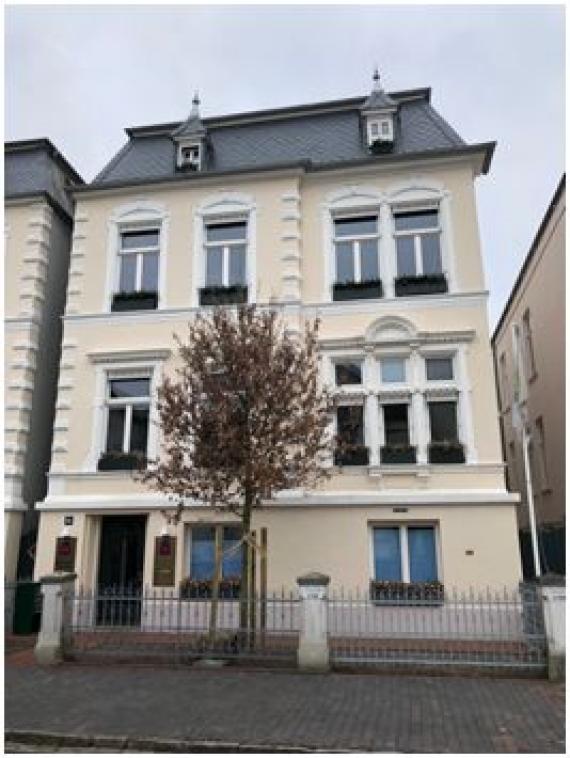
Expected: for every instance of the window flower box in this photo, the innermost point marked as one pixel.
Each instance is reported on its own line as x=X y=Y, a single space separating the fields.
x=357 y=290
x=234 y=295
x=446 y=452
x=381 y=146
x=200 y=589
x=353 y=455
x=135 y=301
x=404 y=593
x=395 y=454
x=428 y=284
x=121 y=462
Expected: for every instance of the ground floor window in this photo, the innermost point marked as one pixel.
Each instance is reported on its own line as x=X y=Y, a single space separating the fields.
x=203 y=543
x=405 y=553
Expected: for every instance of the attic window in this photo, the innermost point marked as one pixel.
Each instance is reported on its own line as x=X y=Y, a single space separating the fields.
x=189 y=156
x=380 y=129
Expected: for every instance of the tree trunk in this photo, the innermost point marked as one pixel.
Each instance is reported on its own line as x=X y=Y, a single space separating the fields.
x=245 y=569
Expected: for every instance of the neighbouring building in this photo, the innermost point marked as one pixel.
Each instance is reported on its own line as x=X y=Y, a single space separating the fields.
x=529 y=347
x=38 y=213
x=361 y=211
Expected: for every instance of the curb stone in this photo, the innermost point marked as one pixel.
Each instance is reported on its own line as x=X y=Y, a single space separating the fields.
x=149 y=745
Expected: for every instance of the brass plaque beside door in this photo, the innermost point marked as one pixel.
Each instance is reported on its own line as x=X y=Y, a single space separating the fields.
x=65 y=549
x=164 y=561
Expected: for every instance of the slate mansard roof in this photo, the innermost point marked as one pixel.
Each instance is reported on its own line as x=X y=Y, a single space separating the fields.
x=36 y=167
x=314 y=137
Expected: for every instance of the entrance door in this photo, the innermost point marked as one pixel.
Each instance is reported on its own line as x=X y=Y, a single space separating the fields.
x=121 y=564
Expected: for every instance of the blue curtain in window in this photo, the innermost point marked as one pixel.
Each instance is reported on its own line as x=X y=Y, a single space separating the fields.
x=231 y=564
x=421 y=547
x=387 y=561
x=202 y=558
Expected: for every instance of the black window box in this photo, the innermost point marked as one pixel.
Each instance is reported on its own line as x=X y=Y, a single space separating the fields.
x=200 y=589
x=357 y=290
x=223 y=295
x=135 y=301
x=401 y=593
x=402 y=454
x=381 y=146
x=446 y=452
x=121 y=462
x=357 y=455
x=420 y=285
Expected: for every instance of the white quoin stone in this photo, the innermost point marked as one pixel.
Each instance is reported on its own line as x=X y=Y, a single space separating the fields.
x=313 y=652
x=54 y=639
x=554 y=605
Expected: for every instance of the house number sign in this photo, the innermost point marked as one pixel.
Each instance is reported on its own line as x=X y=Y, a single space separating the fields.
x=164 y=561
x=65 y=549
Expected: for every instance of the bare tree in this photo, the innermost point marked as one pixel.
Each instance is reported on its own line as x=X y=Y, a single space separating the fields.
x=244 y=417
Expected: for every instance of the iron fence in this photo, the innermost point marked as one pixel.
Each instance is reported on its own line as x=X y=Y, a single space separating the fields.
x=163 y=625
x=484 y=629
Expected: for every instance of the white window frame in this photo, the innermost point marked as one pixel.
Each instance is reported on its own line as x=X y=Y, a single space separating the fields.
x=140 y=214
x=139 y=252
x=181 y=159
x=224 y=208
x=399 y=400
x=355 y=241
x=226 y=246
x=443 y=355
x=404 y=358
x=127 y=403
x=404 y=549
x=358 y=360
x=379 y=122
x=151 y=364
x=417 y=234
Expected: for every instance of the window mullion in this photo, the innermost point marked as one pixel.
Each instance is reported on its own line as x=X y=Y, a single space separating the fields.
x=226 y=265
x=127 y=429
x=356 y=260
x=138 y=276
x=418 y=253
x=404 y=553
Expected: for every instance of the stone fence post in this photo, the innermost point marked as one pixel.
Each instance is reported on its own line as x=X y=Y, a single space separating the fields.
x=554 y=605
x=54 y=638
x=313 y=652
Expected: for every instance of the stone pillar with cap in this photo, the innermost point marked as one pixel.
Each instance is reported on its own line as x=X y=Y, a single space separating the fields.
x=54 y=639
x=313 y=652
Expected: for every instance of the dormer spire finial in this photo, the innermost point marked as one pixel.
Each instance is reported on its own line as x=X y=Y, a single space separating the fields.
x=195 y=104
x=376 y=79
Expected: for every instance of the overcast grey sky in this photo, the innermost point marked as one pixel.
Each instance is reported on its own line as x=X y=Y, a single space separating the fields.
x=80 y=74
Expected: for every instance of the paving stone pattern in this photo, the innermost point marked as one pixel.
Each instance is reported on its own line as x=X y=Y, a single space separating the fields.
x=362 y=712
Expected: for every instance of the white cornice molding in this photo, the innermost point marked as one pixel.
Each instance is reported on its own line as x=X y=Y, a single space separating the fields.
x=125 y=355
x=385 y=305
x=344 y=499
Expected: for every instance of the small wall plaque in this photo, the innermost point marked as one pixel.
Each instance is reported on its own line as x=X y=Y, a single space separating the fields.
x=65 y=550
x=68 y=520
x=164 y=561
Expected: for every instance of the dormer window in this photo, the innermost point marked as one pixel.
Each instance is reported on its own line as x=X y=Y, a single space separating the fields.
x=189 y=156
x=381 y=130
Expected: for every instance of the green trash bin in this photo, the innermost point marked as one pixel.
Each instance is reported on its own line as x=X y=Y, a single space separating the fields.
x=27 y=608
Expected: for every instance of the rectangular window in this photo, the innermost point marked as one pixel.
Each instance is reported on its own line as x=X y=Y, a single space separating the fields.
x=439 y=369
x=356 y=249
x=528 y=347
x=393 y=369
x=503 y=382
x=139 y=261
x=348 y=373
x=418 y=250
x=203 y=552
x=128 y=405
x=396 y=430
x=350 y=424
x=226 y=253
x=405 y=554
x=443 y=421
x=541 y=450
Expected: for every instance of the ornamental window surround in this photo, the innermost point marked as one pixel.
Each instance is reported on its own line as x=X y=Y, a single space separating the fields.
x=417 y=233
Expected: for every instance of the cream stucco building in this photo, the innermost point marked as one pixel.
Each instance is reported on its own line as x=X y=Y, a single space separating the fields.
x=38 y=211
x=361 y=211
x=529 y=346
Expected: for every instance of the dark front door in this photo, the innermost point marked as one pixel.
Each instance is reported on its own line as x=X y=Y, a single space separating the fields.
x=121 y=564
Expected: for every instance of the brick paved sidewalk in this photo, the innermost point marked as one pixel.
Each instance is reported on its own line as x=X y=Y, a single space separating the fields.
x=333 y=711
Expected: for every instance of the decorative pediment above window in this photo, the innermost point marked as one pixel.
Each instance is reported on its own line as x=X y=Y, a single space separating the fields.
x=391 y=329
x=379 y=111
x=190 y=140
